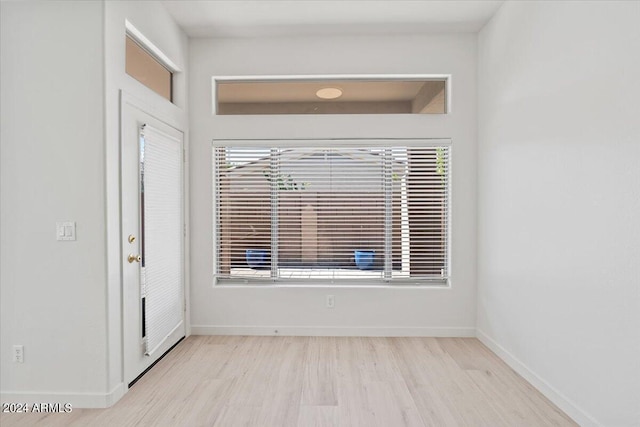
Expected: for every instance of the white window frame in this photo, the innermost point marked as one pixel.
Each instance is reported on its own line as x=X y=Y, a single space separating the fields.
x=148 y=45
x=332 y=143
x=215 y=80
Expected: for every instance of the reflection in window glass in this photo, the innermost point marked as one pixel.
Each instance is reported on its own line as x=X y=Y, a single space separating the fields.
x=143 y=67
x=332 y=97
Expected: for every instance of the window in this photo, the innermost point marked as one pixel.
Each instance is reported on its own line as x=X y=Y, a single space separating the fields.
x=145 y=68
x=357 y=95
x=367 y=213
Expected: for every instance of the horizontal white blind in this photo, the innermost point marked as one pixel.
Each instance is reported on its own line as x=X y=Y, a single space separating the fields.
x=378 y=213
x=161 y=200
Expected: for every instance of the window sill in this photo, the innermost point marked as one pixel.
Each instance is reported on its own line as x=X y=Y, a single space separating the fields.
x=327 y=283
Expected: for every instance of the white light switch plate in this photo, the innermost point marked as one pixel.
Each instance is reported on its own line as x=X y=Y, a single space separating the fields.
x=66 y=230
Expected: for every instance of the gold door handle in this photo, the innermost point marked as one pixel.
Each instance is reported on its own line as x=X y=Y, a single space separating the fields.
x=131 y=258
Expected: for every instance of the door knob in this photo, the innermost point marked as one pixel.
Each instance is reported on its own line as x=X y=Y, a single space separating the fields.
x=131 y=258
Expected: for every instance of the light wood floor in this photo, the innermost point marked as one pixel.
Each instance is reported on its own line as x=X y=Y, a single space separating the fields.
x=314 y=381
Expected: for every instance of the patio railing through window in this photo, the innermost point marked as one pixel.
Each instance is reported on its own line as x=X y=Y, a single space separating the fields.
x=374 y=213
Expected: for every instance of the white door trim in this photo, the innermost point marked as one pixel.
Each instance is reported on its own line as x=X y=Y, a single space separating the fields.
x=176 y=118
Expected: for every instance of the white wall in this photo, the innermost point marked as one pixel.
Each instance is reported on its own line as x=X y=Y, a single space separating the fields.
x=383 y=311
x=62 y=73
x=559 y=193
x=52 y=133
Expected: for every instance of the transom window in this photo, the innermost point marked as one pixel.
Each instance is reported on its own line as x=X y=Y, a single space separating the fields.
x=368 y=214
x=373 y=94
x=148 y=70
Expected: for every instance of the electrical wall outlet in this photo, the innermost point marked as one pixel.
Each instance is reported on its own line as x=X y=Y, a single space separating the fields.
x=331 y=301
x=18 y=353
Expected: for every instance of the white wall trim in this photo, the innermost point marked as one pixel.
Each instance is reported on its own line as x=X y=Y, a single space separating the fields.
x=154 y=50
x=578 y=414
x=175 y=117
x=77 y=400
x=116 y=394
x=334 y=331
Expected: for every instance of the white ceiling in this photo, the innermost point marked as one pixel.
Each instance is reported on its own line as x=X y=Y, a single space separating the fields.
x=254 y=18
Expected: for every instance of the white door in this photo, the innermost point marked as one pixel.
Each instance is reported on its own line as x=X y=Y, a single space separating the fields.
x=152 y=238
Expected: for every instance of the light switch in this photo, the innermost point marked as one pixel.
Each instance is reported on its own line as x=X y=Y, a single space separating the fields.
x=66 y=230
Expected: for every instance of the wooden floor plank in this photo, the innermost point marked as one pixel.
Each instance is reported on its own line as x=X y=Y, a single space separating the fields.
x=321 y=381
x=320 y=374
x=318 y=416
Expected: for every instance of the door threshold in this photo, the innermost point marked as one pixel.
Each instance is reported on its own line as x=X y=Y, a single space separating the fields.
x=154 y=363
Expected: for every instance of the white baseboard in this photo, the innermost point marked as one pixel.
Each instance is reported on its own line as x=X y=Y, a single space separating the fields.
x=116 y=394
x=570 y=408
x=333 y=331
x=77 y=400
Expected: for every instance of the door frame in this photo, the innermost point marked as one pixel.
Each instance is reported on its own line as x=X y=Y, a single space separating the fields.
x=173 y=116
